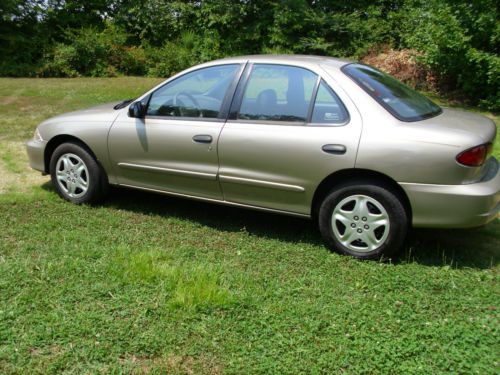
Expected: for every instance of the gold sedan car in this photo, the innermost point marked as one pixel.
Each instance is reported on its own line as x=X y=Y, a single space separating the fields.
x=315 y=137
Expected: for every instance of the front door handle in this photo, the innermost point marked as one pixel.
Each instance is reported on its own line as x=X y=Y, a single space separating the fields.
x=202 y=138
x=334 y=149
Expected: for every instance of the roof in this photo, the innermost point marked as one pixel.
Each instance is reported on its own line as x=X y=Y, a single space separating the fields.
x=332 y=61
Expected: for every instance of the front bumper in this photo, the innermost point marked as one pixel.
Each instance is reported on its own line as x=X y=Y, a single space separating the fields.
x=36 y=150
x=455 y=206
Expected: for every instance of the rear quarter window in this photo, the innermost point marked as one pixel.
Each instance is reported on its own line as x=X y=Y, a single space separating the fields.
x=328 y=108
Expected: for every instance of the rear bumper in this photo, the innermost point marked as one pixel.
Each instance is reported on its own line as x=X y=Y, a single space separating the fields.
x=36 y=151
x=454 y=206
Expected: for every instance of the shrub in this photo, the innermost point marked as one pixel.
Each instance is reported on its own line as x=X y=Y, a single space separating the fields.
x=188 y=50
x=90 y=52
x=437 y=30
x=405 y=65
x=482 y=78
x=61 y=62
x=133 y=61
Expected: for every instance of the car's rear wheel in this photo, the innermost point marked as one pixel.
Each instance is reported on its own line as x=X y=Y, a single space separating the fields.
x=364 y=221
x=76 y=175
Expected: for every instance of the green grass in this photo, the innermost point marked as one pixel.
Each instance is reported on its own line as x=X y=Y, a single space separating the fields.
x=150 y=284
x=26 y=102
x=10 y=162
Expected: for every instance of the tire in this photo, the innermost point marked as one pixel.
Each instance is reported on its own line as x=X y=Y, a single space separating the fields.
x=363 y=220
x=76 y=175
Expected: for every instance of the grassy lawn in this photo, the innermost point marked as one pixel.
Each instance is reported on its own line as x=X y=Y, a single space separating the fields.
x=151 y=284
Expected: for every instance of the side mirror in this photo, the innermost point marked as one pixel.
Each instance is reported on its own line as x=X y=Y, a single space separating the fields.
x=137 y=110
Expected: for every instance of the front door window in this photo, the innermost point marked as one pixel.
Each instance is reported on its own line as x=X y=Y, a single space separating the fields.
x=198 y=94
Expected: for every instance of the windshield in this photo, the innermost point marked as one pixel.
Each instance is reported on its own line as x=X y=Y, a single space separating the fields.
x=400 y=100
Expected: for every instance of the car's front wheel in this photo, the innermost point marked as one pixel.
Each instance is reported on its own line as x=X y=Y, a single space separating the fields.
x=76 y=175
x=364 y=221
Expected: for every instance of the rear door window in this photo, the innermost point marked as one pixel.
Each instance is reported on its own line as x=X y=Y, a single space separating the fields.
x=277 y=93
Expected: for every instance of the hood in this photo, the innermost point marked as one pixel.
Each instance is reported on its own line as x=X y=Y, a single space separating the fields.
x=100 y=113
x=479 y=129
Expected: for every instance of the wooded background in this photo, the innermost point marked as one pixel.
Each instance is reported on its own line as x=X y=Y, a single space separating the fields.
x=449 y=46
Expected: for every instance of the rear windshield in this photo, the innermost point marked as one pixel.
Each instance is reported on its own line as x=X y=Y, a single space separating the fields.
x=403 y=102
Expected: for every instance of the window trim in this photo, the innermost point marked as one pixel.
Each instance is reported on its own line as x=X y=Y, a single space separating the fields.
x=226 y=102
x=178 y=118
x=383 y=104
x=238 y=95
x=240 y=91
x=310 y=110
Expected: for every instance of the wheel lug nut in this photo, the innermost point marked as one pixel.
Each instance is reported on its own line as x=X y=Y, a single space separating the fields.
x=356 y=218
x=353 y=225
x=364 y=219
x=360 y=230
x=367 y=227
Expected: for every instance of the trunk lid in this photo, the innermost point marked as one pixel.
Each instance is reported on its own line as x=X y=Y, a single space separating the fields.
x=478 y=128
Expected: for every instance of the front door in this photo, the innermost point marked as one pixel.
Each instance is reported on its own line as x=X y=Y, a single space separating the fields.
x=174 y=148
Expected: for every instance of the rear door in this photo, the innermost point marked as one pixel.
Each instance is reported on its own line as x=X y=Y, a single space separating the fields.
x=174 y=148
x=288 y=129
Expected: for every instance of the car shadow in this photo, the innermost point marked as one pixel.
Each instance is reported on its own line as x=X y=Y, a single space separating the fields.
x=458 y=248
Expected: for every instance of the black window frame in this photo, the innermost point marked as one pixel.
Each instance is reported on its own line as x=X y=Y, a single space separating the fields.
x=384 y=105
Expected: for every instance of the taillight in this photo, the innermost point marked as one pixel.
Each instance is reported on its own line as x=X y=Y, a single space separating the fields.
x=475 y=156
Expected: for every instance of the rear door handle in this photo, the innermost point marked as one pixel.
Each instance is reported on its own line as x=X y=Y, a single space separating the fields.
x=202 y=138
x=334 y=149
